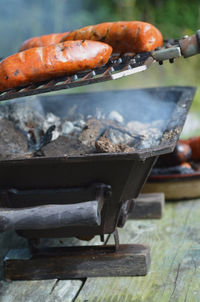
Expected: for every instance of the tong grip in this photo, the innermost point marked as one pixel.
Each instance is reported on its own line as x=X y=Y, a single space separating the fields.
x=190 y=46
x=67 y=211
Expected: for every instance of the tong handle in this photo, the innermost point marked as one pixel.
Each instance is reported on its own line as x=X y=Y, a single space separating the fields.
x=186 y=47
x=51 y=216
x=67 y=208
x=190 y=46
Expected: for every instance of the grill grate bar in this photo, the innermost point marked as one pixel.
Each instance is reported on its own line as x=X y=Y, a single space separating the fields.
x=117 y=67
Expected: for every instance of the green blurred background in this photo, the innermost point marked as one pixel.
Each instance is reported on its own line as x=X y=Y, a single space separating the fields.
x=21 y=19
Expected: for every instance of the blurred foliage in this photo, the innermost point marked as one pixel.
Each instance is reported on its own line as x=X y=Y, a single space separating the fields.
x=21 y=19
x=173 y=17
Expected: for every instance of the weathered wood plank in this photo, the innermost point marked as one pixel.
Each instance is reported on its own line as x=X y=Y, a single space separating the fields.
x=175 y=251
x=34 y=291
x=81 y=262
x=147 y=206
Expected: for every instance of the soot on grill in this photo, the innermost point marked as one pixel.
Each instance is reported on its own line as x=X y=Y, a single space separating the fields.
x=81 y=124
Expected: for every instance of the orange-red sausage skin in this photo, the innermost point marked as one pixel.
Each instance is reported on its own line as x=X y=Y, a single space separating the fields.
x=133 y=36
x=194 y=143
x=43 y=63
x=42 y=41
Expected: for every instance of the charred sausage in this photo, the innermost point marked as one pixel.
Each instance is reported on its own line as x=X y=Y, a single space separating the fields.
x=43 y=63
x=184 y=168
x=42 y=41
x=194 y=143
x=133 y=36
x=181 y=154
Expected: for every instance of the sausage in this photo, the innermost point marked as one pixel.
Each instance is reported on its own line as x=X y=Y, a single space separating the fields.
x=43 y=63
x=42 y=41
x=183 y=168
x=182 y=153
x=194 y=143
x=133 y=36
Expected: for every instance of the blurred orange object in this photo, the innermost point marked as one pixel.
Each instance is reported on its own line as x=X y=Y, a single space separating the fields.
x=194 y=143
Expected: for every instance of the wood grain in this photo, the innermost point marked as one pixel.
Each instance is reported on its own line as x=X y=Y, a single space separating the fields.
x=80 y=262
x=147 y=206
x=50 y=216
x=34 y=291
x=174 y=273
x=175 y=251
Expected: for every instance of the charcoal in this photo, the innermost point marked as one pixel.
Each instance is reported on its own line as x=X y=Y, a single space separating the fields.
x=65 y=146
x=27 y=114
x=72 y=128
x=45 y=139
x=13 y=142
x=75 y=134
x=52 y=120
x=115 y=116
x=119 y=136
x=91 y=132
x=116 y=133
x=4 y=111
x=104 y=145
x=90 y=140
x=150 y=134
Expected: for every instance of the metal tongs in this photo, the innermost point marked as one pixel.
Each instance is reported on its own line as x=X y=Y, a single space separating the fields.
x=172 y=49
x=186 y=47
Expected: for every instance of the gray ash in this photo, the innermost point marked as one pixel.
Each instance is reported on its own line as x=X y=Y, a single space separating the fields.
x=65 y=146
x=104 y=145
x=38 y=130
x=13 y=142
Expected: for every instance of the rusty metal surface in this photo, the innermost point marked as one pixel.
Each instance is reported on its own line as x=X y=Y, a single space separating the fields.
x=189 y=46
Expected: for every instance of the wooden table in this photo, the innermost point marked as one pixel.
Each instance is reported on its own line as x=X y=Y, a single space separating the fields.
x=174 y=274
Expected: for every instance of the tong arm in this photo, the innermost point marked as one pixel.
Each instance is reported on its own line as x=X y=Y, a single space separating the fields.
x=186 y=47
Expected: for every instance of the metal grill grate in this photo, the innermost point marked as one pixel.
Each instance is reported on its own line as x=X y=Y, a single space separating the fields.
x=117 y=67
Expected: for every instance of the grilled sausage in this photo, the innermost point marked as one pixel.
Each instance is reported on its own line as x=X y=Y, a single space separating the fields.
x=182 y=153
x=133 y=36
x=184 y=168
x=42 y=41
x=43 y=63
x=194 y=143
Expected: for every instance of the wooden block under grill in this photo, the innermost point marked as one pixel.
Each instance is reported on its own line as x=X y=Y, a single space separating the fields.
x=77 y=262
x=147 y=206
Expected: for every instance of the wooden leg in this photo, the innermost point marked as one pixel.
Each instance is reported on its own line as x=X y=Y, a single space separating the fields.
x=77 y=262
x=147 y=206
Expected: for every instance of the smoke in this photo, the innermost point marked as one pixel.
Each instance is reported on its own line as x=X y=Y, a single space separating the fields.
x=144 y=113
x=146 y=106
x=22 y=19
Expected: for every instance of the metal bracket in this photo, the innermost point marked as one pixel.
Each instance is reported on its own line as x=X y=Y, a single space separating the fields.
x=166 y=53
x=116 y=239
x=17 y=198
